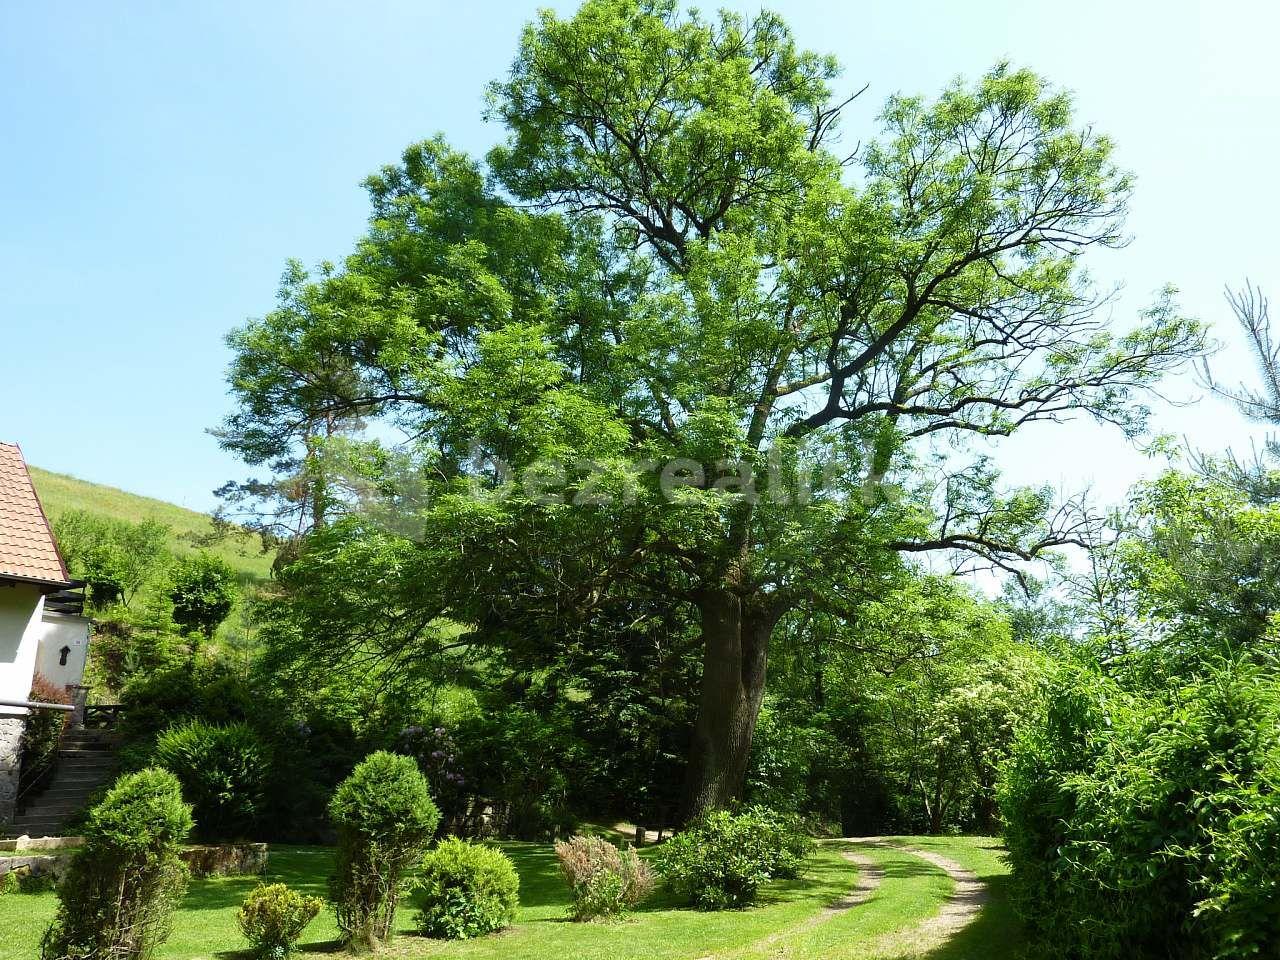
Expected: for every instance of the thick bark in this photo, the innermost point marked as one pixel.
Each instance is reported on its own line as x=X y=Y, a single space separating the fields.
x=735 y=635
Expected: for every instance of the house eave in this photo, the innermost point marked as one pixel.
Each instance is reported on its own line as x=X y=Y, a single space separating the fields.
x=45 y=585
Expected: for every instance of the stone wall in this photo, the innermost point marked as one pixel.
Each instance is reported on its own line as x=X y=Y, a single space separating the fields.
x=10 y=740
x=226 y=859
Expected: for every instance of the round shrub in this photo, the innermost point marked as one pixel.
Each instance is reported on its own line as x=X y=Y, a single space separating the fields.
x=224 y=773
x=273 y=917
x=467 y=890
x=385 y=819
x=118 y=896
x=606 y=881
x=720 y=861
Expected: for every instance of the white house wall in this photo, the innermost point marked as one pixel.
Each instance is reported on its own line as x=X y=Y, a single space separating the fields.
x=21 y=608
x=56 y=632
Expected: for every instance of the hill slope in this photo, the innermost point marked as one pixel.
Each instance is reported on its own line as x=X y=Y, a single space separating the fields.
x=60 y=493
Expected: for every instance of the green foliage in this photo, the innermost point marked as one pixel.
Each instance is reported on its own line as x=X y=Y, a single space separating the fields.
x=722 y=860
x=117 y=898
x=1146 y=825
x=272 y=919
x=945 y=726
x=224 y=772
x=116 y=557
x=207 y=691
x=1203 y=566
x=466 y=890
x=203 y=590
x=606 y=881
x=666 y=260
x=385 y=819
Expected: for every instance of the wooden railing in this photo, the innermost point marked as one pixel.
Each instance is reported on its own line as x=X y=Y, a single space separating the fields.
x=103 y=716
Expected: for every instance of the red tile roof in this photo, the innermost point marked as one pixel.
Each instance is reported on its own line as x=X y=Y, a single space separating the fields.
x=27 y=550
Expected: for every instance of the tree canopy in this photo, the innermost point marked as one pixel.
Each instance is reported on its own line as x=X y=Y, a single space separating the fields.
x=671 y=347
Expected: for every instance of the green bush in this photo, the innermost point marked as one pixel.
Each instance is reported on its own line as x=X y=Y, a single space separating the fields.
x=385 y=818
x=224 y=773
x=273 y=917
x=785 y=840
x=9 y=884
x=467 y=890
x=1149 y=826
x=118 y=896
x=203 y=590
x=606 y=881
x=721 y=861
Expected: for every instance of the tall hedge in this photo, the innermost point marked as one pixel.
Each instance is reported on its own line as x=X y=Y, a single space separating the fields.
x=385 y=818
x=117 y=899
x=1148 y=825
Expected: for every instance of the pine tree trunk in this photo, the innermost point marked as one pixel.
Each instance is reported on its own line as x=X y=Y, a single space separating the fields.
x=735 y=635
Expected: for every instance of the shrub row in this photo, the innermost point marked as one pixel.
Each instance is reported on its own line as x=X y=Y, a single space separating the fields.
x=118 y=897
x=1144 y=826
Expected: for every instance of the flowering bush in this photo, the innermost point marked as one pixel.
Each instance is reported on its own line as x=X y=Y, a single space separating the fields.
x=440 y=761
x=606 y=881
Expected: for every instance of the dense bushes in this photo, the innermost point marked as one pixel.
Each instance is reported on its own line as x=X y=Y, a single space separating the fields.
x=385 y=819
x=224 y=772
x=467 y=890
x=272 y=919
x=722 y=860
x=117 y=899
x=605 y=881
x=1148 y=825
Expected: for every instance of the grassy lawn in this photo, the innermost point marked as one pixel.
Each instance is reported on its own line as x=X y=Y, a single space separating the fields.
x=912 y=890
x=60 y=493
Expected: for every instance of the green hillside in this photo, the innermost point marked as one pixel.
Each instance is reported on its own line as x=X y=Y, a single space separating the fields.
x=59 y=493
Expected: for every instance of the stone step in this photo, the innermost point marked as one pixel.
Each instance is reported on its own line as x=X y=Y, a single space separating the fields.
x=58 y=810
x=64 y=795
x=65 y=776
x=96 y=746
x=80 y=773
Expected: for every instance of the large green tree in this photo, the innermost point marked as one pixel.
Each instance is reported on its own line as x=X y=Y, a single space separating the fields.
x=673 y=297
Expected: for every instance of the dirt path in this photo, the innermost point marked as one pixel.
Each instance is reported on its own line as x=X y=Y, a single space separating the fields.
x=869 y=877
x=961 y=908
x=958 y=910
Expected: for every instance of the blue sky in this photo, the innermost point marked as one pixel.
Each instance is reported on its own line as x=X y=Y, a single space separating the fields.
x=161 y=161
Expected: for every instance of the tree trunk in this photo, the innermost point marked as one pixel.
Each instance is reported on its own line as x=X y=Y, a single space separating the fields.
x=735 y=637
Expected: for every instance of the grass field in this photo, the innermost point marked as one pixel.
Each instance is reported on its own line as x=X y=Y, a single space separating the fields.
x=60 y=493
x=911 y=891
